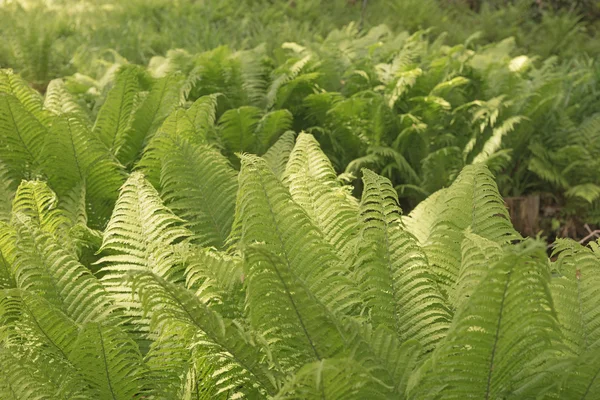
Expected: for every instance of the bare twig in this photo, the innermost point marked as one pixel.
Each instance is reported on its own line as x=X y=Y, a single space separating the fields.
x=592 y=234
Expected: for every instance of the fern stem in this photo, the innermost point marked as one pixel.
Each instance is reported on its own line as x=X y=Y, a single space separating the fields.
x=491 y=369
x=287 y=260
x=105 y=363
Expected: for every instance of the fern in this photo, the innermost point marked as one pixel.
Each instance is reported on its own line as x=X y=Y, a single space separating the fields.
x=22 y=138
x=504 y=324
x=393 y=270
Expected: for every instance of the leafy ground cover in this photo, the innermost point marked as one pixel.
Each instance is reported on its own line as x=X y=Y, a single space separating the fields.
x=314 y=210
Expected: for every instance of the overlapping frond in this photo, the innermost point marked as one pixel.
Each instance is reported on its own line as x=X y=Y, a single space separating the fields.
x=393 y=270
x=163 y=98
x=59 y=100
x=313 y=184
x=235 y=355
x=13 y=84
x=576 y=293
x=43 y=265
x=114 y=117
x=76 y=157
x=266 y=213
x=336 y=379
x=279 y=153
x=472 y=201
x=199 y=185
x=284 y=308
x=23 y=138
x=109 y=361
x=505 y=324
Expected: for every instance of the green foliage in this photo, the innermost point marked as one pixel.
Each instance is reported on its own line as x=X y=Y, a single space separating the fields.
x=270 y=282
x=198 y=228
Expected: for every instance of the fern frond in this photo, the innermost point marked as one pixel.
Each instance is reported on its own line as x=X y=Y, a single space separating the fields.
x=44 y=266
x=238 y=128
x=478 y=254
x=494 y=143
x=215 y=277
x=139 y=237
x=109 y=361
x=78 y=157
x=266 y=213
x=504 y=325
x=7 y=193
x=203 y=113
x=164 y=98
x=24 y=378
x=283 y=308
x=23 y=138
x=271 y=126
x=139 y=230
x=234 y=354
x=472 y=201
x=114 y=117
x=393 y=270
x=336 y=379
x=60 y=101
x=279 y=153
x=576 y=294
x=313 y=184
x=177 y=125
x=35 y=201
x=32 y=101
x=199 y=185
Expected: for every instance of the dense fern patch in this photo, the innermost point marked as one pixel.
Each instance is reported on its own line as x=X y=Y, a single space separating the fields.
x=145 y=252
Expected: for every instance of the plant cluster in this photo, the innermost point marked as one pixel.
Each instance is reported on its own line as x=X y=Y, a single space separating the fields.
x=407 y=106
x=47 y=39
x=137 y=262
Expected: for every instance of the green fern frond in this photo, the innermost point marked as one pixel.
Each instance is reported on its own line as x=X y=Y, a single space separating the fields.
x=59 y=100
x=140 y=230
x=393 y=270
x=506 y=323
x=77 y=156
x=238 y=128
x=24 y=378
x=472 y=201
x=199 y=185
x=279 y=153
x=43 y=265
x=32 y=101
x=215 y=277
x=139 y=237
x=494 y=143
x=589 y=192
x=576 y=295
x=23 y=138
x=35 y=201
x=235 y=355
x=164 y=97
x=287 y=312
x=7 y=193
x=114 y=117
x=313 y=184
x=478 y=254
x=203 y=113
x=177 y=125
x=109 y=361
x=266 y=213
x=31 y=319
x=336 y=379
x=271 y=126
